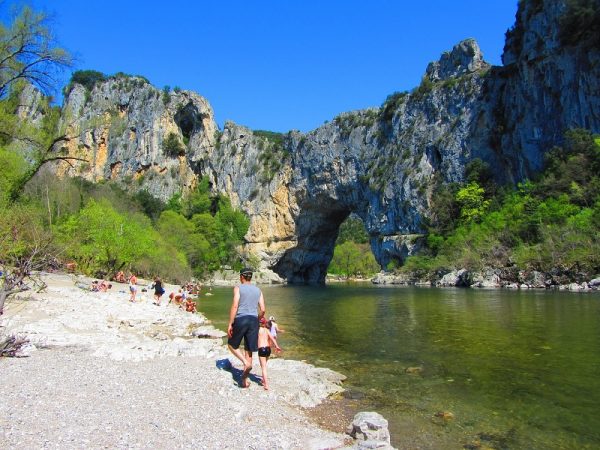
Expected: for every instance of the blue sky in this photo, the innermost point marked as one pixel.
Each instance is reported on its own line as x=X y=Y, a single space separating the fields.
x=277 y=65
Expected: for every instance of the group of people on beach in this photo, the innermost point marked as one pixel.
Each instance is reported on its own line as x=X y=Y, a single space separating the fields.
x=247 y=322
x=100 y=286
x=182 y=298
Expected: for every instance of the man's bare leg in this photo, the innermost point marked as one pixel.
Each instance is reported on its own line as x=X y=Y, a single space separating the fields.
x=247 y=362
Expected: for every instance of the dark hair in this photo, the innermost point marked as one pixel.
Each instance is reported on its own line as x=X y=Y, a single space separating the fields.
x=246 y=273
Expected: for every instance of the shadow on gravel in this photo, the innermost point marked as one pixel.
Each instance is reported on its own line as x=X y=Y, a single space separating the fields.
x=236 y=374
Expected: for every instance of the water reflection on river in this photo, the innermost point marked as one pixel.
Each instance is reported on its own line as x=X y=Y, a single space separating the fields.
x=516 y=369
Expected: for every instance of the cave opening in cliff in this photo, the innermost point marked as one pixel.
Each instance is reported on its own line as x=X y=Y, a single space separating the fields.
x=188 y=120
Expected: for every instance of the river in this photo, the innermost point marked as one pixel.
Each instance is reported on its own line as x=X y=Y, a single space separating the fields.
x=451 y=368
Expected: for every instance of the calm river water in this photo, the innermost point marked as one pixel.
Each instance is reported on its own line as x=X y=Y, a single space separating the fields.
x=516 y=369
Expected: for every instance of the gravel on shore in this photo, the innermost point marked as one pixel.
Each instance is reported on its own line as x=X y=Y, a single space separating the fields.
x=67 y=395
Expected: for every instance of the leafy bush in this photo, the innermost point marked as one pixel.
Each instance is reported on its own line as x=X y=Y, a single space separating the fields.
x=151 y=205
x=87 y=78
x=273 y=153
x=352 y=229
x=390 y=105
x=351 y=259
x=102 y=239
x=423 y=89
x=166 y=95
x=13 y=167
x=172 y=146
x=580 y=24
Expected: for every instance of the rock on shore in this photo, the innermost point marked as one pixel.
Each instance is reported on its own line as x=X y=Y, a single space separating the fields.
x=110 y=373
x=491 y=278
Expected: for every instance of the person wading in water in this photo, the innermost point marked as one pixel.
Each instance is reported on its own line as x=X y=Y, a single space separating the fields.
x=247 y=307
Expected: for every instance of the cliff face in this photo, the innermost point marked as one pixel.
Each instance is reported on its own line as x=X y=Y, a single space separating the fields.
x=380 y=164
x=121 y=127
x=549 y=83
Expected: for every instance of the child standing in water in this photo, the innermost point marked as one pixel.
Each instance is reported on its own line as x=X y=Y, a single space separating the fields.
x=264 y=349
x=274 y=328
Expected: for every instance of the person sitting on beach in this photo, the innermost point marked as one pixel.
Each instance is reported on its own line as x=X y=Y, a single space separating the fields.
x=190 y=305
x=132 y=287
x=176 y=297
x=120 y=277
x=264 y=349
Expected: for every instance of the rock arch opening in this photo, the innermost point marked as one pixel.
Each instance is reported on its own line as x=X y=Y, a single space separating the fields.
x=317 y=231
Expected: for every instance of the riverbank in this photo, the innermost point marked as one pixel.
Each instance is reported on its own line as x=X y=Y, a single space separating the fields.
x=508 y=278
x=103 y=371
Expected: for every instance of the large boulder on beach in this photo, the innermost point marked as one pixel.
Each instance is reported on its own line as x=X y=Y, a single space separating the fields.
x=370 y=429
x=310 y=384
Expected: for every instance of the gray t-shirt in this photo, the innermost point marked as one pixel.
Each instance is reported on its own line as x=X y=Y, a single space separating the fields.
x=249 y=296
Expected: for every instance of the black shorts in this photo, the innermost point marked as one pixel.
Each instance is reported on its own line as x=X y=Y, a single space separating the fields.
x=264 y=351
x=245 y=327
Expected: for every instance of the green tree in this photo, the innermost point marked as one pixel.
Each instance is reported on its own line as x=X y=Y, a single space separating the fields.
x=352 y=229
x=13 y=166
x=232 y=226
x=206 y=226
x=345 y=259
x=471 y=199
x=29 y=52
x=172 y=145
x=181 y=234
x=26 y=246
x=102 y=239
x=198 y=201
x=87 y=78
x=151 y=205
x=445 y=209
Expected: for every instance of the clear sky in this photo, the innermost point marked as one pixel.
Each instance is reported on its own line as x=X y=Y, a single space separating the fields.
x=277 y=64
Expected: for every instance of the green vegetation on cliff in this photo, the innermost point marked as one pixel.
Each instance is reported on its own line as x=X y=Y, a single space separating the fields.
x=549 y=224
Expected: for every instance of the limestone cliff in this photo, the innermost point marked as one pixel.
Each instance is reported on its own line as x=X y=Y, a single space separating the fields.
x=380 y=164
x=122 y=126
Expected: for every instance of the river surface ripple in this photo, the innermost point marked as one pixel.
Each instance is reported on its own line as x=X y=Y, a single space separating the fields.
x=451 y=368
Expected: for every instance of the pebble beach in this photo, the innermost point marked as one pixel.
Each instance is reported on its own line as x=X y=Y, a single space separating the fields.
x=101 y=372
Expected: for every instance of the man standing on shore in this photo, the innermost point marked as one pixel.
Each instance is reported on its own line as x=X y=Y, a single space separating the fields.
x=247 y=307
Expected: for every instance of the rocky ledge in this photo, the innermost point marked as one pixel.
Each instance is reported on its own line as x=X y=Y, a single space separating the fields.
x=493 y=278
x=103 y=372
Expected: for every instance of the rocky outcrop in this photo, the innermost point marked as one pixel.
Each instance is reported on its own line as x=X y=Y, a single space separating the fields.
x=134 y=134
x=380 y=164
x=370 y=430
x=490 y=278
